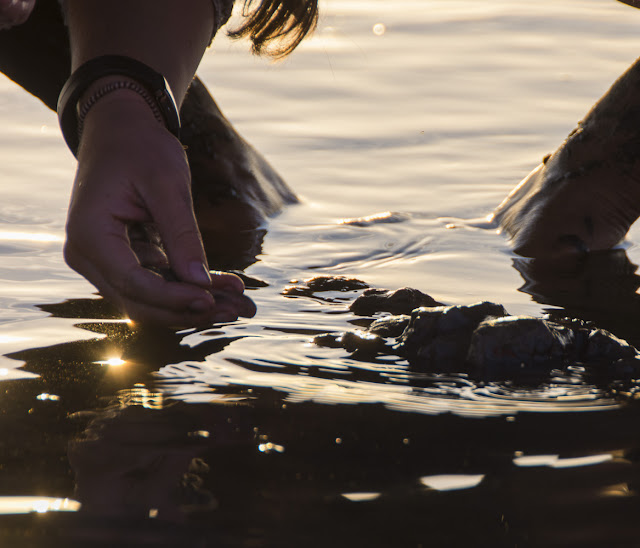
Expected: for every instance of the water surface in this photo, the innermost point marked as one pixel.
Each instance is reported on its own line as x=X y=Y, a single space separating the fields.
x=430 y=109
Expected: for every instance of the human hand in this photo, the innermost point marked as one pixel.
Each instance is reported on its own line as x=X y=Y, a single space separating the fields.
x=15 y=12
x=133 y=173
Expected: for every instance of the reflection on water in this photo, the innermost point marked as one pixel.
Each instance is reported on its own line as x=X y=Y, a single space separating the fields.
x=395 y=117
x=40 y=505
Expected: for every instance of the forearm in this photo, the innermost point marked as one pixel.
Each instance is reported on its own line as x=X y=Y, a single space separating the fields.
x=168 y=35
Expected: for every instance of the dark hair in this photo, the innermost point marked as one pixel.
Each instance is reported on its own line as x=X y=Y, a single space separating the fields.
x=276 y=27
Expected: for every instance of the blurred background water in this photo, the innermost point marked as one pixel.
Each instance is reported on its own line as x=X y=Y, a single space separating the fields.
x=431 y=109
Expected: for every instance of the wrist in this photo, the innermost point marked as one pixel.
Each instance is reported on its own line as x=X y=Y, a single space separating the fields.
x=119 y=90
x=134 y=77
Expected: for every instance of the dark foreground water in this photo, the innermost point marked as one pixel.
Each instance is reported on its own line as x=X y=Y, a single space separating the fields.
x=248 y=434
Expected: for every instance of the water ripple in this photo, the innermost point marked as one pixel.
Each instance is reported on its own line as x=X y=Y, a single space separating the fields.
x=198 y=381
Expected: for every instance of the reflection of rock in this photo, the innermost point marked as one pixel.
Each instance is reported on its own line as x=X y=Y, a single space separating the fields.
x=483 y=341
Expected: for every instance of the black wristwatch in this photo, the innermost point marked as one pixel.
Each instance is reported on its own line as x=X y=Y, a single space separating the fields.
x=108 y=65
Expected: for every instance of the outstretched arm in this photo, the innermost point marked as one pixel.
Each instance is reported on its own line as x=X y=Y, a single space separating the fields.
x=132 y=171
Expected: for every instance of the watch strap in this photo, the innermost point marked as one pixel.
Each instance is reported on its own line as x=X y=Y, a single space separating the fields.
x=108 y=65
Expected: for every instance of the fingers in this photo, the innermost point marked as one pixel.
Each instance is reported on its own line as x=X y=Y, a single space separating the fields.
x=15 y=12
x=147 y=297
x=171 y=207
x=131 y=208
x=223 y=281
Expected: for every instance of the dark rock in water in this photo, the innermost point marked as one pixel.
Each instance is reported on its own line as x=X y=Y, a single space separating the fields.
x=437 y=339
x=361 y=344
x=604 y=346
x=319 y=284
x=389 y=326
x=250 y=282
x=400 y=301
x=515 y=346
x=484 y=342
x=528 y=349
x=330 y=340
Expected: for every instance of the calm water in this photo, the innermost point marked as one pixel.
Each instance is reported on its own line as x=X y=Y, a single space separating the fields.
x=431 y=109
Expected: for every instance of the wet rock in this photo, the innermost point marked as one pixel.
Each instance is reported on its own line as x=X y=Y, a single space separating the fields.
x=400 y=301
x=389 y=326
x=604 y=346
x=484 y=342
x=437 y=339
x=330 y=340
x=319 y=284
x=519 y=347
x=361 y=344
x=250 y=282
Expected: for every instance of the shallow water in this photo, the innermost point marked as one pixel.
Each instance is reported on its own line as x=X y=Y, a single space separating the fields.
x=433 y=110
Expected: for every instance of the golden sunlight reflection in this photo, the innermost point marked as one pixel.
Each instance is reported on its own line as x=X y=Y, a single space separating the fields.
x=554 y=461
x=361 y=497
x=452 y=482
x=142 y=396
x=30 y=236
x=379 y=29
x=112 y=362
x=270 y=448
x=40 y=505
x=617 y=490
x=50 y=397
x=200 y=434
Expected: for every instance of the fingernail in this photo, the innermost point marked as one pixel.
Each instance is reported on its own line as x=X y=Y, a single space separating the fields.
x=228 y=281
x=199 y=273
x=200 y=306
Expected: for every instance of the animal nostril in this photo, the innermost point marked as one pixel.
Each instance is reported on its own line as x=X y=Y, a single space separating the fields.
x=573 y=243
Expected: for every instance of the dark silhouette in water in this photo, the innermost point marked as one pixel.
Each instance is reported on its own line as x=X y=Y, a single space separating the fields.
x=586 y=195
